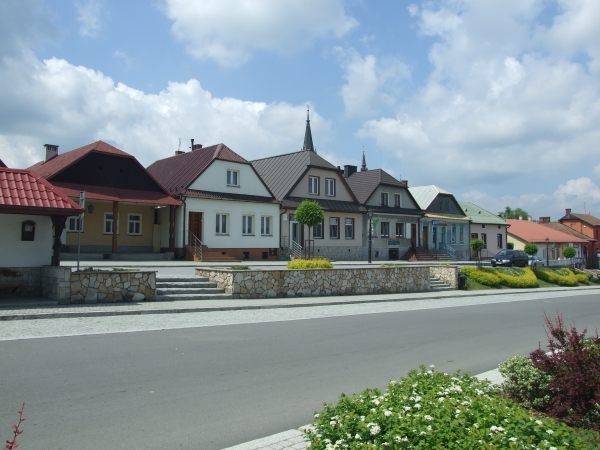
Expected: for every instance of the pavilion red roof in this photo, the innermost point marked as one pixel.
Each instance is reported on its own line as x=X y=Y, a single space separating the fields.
x=529 y=231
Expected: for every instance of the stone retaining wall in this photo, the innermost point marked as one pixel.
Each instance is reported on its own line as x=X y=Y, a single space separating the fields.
x=28 y=277
x=56 y=283
x=319 y=282
x=112 y=286
x=447 y=274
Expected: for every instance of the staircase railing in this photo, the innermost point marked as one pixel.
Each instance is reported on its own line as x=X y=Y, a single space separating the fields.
x=295 y=249
x=448 y=249
x=195 y=245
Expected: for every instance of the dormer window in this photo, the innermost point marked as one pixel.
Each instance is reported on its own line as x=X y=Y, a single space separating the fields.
x=397 y=201
x=313 y=185
x=384 y=199
x=233 y=177
x=329 y=187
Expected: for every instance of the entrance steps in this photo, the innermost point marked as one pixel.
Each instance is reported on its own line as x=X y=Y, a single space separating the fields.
x=436 y=285
x=418 y=254
x=70 y=256
x=208 y=255
x=188 y=288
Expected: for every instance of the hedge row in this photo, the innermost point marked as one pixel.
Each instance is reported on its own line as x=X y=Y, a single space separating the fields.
x=317 y=263
x=562 y=277
x=515 y=278
x=481 y=276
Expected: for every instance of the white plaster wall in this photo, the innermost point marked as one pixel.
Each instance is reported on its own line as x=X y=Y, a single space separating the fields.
x=17 y=253
x=214 y=179
x=301 y=190
x=342 y=241
x=235 y=209
x=405 y=200
x=492 y=231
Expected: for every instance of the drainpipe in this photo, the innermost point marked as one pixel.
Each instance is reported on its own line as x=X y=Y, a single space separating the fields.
x=182 y=198
x=281 y=225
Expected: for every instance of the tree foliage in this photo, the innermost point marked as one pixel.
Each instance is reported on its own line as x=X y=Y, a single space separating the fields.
x=569 y=252
x=530 y=249
x=477 y=245
x=510 y=213
x=309 y=213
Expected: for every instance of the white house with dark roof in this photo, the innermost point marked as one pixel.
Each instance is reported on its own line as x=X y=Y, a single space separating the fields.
x=488 y=227
x=228 y=213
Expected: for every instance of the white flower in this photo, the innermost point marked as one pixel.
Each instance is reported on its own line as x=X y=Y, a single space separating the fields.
x=387 y=413
x=392 y=382
x=417 y=406
x=441 y=399
x=332 y=422
x=407 y=408
x=549 y=431
x=422 y=433
x=432 y=366
x=418 y=398
x=316 y=416
x=512 y=439
x=428 y=417
x=539 y=422
x=376 y=402
x=552 y=448
x=357 y=437
x=476 y=425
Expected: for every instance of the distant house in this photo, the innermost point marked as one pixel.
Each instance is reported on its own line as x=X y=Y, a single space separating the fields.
x=395 y=212
x=228 y=210
x=444 y=227
x=587 y=249
x=33 y=214
x=588 y=225
x=486 y=226
x=294 y=177
x=122 y=200
x=550 y=242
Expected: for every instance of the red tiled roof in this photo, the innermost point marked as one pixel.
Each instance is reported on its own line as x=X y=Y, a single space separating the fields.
x=23 y=190
x=568 y=230
x=48 y=169
x=227 y=196
x=2 y=164
x=117 y=194
x=178 y=172
x=594 y=221
x=534 y=232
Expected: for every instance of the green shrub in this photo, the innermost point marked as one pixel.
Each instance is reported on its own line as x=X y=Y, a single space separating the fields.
x=525 y=383
x=481 y=276
x=562 y=277
x=582 y=278
x=317 y=263
x=434 y=410
x=516 y=278
x=239 y=268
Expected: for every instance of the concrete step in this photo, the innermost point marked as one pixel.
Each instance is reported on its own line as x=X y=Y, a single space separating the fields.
x=435 y=284
x=184 y=284
x=179 y=291
x=174 y=279
x=168 y=297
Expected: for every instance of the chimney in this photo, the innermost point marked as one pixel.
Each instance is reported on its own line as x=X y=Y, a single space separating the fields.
x=349 y=170
x=51 y=151
x=544 y=219
x=179 y=152
x=196 y=147
x=405 y=183
x=567 y=211
x=520 y=217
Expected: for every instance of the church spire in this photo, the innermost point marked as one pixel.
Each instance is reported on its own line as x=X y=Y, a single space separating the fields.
x=308 y=142
x=363 y=168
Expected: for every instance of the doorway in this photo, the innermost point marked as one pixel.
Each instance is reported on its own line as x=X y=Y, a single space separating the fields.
x=434 y=233
x=425 y=237
x=295 y=232
x=195 y=224
x=413 y=234
x=393 y=254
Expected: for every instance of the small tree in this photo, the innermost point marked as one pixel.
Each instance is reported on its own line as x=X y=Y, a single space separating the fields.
x=510 y=213
x=510 y=245
x=531 y=249
x=569 y=252
x=477 y=245
x=309 y=213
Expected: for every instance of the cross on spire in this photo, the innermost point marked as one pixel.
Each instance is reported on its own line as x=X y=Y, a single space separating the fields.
x=363 y=168
x=308 y=142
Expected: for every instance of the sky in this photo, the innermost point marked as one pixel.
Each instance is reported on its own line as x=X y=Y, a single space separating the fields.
x=496 y=102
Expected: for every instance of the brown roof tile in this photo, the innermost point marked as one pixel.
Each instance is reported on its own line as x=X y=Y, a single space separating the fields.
x=534 y=232
x=565 y=229
x=588 y=218
x=111 y=194
x=364 y=183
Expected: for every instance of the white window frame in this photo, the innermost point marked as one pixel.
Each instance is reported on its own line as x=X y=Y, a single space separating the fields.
x=106 y=219
x=130 y=221
x=397 y=204
x=330 y=187
x=73 y=223
x=318 y=235
x=232 y=180
x=384 y=234
x=385 y=195
x=402 y=229
x=222 y=224
x=248 y=225
x=337 y=227
x=349 y=222
x=266 y=225
x=313 y=185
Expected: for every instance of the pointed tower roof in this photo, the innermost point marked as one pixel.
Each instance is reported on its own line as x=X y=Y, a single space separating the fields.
x=363 y=167
x=308 y=142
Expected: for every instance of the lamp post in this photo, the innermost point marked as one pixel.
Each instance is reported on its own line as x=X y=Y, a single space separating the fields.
x=547 y=253
x=370 y=214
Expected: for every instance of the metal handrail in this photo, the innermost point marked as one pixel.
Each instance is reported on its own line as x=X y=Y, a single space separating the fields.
x=295 y=249
x=448 y=249
x=195 y=244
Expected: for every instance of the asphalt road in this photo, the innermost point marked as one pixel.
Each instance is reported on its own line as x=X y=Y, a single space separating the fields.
x=213 y=387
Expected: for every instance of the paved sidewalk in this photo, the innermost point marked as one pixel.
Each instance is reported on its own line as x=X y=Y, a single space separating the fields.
x=30 y=309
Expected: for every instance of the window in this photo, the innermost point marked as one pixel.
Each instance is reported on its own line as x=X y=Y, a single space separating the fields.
x=334 y=228
x=385 y=229
x=134 y=224
x=397 y=201
x=109 y=223
x=461 y=234
x=313 y=185
x=453 y=238
x=384 y=199
x=499 y=240
x=265 y=225
x=349 y=227
x=74 y=223
x=233 y=177
x=484 y=239
x=318 y=231
x=329 y=187
x=247 y=225
x=399 y=229
x=221 y=227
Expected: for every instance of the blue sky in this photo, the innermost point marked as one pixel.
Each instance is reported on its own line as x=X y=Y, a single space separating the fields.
x=498 y=102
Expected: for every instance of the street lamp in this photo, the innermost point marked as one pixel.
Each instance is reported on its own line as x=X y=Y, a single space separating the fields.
x=370 y=214
x=547 y=252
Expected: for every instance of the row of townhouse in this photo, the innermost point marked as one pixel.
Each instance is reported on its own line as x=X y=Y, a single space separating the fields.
x=210 y=203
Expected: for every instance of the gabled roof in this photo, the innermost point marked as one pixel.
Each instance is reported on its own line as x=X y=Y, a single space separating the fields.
x=424 y=195
x=111 y=194
x=281 y=173
x=326 y=204
x=25 y=192
x=587 y=218
x=48 y=169
x=478 y=215
x=228 y=196
x=529 y=231
x=180 y=171
x=568 y=230
x=364 y=183
x=2 y=164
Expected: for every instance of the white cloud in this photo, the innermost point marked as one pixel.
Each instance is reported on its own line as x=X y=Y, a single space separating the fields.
x=368 y=81
x=229 y=31
x=22 y=23
x=89 y=18
x=56 y=102
x=123 y=58
x=578 y=190
x=597 y=171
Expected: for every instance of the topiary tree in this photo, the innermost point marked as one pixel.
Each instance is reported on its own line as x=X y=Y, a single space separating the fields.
x=510 y=245
x=569 y=252
x=309 y=213
x=531 y=249
x=477 y=245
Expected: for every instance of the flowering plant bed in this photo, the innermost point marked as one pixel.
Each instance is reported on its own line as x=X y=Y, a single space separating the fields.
x=434 y=410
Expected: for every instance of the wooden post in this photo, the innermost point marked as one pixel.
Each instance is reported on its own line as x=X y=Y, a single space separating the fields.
x=115 y=227
x=59 y=223
x=172 y=228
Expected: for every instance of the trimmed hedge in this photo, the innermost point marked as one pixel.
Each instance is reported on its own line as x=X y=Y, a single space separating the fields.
x=481 y=276
x=317 y=263
x=513 y=277
x=562 y=277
